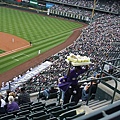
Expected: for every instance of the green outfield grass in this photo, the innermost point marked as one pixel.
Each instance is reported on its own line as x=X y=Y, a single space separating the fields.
x=1 y=51
x=44 y=33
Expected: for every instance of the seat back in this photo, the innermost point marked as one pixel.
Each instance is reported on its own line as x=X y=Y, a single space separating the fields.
x=21 y=118
x=43 y=117
x=36 y=109
x=7 y=117
x=23 y=113
x=50 y=105
x=14 y=112
x=68 y=104
x=58 y=112
x=54 y=109
x=37 y=114
x=67 y=114
x=37 y=103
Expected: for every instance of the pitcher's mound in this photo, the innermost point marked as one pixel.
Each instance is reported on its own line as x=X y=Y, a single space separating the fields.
x=11 y=43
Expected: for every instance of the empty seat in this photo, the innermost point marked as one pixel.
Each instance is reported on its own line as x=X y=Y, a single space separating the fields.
x=27 y=108
x=24 y=106
x=7 y=117
x=30 y=103
x=58 y=112
x=74 y=106
x=23 y=113
x=50 y=105
x=68 y=104
x=37 y=114
x=43 y=117
x=56 y=108
x=37 y=103
x=21 y=118
x=53 y=118
x=1 y=115
x=36 y=109
x=67 y=114
x=14 y=112
x=78 y=114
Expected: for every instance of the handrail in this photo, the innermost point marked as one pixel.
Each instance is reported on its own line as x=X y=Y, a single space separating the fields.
x=105 y=78
x=109 y=76
x=101 y=79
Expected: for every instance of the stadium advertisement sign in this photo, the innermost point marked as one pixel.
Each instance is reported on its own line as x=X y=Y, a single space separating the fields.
x=19 y=0
x=49 y=5
x=34 y=2
x=25 y=1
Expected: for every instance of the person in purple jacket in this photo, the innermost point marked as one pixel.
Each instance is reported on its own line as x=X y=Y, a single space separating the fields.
x=12 y=105
x=70 y=87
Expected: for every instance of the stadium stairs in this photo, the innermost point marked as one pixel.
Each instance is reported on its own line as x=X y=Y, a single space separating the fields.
x=107 y=94
x=105 y=105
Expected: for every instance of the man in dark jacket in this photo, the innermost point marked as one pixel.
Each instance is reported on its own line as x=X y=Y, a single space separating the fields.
x=24 y=97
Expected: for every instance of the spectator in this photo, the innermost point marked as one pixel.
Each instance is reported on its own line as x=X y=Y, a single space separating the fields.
x=62 y=82
x=12 y=105
x=6 y=98
x=85 y=92
x=2 y=105
x=90 y=89
x=23 y=97
x=12 y=94
x=46 y=92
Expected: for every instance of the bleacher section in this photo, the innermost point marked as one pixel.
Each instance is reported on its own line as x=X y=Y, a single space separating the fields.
x=97 y=42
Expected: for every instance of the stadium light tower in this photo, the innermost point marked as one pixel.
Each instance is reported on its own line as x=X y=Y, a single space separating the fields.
x=93 y=10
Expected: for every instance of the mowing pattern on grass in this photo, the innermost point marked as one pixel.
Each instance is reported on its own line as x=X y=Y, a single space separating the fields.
x=1 y=51
x=44 y=32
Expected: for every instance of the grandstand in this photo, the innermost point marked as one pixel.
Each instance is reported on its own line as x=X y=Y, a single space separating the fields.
x=100 y=41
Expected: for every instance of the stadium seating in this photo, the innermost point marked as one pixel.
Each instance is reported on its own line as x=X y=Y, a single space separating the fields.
x=50 y=111
x=110 y=112
x=7 y=117
x=38 y=108
x=36 y=114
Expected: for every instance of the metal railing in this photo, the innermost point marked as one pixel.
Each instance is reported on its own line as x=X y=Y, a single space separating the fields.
x=115 y=65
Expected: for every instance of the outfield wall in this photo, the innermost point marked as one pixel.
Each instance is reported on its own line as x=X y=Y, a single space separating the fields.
x=29 y=9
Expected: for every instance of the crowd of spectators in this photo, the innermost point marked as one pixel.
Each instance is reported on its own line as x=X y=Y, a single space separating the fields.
x=11 y=101
x=96 y=41
x=108 y=5
x=105 y=31
x=84 y=10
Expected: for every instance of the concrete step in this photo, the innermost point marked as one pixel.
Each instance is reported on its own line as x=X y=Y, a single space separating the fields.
x=96 y=103
x=101 y=105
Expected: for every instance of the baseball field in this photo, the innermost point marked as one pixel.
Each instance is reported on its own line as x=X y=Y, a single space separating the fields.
x=43 y=32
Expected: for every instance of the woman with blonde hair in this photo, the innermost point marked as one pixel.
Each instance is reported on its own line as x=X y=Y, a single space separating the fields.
x=12 y=94
x=12 y=105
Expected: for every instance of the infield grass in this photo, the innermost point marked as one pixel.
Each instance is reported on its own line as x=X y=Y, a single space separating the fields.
x=43 y=31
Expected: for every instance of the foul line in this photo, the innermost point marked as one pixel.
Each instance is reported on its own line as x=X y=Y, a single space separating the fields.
x=15 y=50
